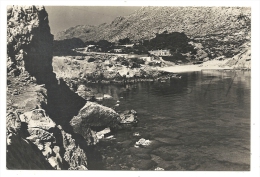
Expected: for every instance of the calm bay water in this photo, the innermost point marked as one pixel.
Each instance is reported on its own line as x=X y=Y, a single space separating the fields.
x=199 y=122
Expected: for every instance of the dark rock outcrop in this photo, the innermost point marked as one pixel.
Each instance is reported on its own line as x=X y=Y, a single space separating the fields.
x=33 y=139
x=23 y=154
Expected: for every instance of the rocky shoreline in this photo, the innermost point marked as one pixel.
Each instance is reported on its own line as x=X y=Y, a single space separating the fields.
x=48 y=126
x=79 y=73
x=109 y=70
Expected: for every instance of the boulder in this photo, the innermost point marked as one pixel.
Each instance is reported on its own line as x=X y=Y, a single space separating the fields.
x=94 y=115
x=37 y=118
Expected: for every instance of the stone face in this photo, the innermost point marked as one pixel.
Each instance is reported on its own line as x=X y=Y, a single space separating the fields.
x=29 y=42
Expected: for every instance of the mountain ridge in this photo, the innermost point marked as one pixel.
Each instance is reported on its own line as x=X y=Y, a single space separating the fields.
x=147 y=21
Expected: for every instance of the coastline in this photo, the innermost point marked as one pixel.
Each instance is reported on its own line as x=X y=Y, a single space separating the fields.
x=208 y=65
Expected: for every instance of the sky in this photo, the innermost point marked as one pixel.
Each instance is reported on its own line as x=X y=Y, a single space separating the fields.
x=64 y=17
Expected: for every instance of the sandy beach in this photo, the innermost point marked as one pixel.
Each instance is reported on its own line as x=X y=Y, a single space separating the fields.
x=213 y=64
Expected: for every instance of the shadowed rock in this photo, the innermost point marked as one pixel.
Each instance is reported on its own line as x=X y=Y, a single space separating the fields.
x=36 y=142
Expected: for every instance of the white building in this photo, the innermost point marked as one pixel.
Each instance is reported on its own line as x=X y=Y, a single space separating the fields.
x=160 y=52
x=146 y=58
x=117 y=50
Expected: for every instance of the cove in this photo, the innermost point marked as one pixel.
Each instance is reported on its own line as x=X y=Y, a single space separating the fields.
x=199 y=122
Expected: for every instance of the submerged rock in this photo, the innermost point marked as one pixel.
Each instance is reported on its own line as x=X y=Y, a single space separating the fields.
x=128 y=118
x=143 y=142
x=106 y=96
x=136 y=134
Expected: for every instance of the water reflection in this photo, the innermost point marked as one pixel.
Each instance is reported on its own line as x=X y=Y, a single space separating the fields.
x=192 y=120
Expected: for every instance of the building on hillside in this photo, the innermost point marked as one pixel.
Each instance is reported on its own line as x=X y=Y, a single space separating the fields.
x=146 y=58
x=160 y=52
x=128 y=45
x=91 y=46
x=117 y=50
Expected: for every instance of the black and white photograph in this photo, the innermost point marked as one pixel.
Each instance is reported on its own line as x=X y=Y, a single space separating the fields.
x=128 y=88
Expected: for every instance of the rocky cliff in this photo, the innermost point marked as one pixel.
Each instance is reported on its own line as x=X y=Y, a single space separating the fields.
x=39 y=107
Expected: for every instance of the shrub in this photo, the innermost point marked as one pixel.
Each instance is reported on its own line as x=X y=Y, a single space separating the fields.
x=135 y=65
x=91 y=60
x=138 y=60
x=125 y=63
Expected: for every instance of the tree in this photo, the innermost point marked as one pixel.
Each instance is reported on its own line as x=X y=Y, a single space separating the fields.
x=104 y=45
x=176 y=42
x=124 y=41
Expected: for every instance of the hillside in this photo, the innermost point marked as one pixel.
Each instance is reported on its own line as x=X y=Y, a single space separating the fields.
x=146 y=22
x=215 y=31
